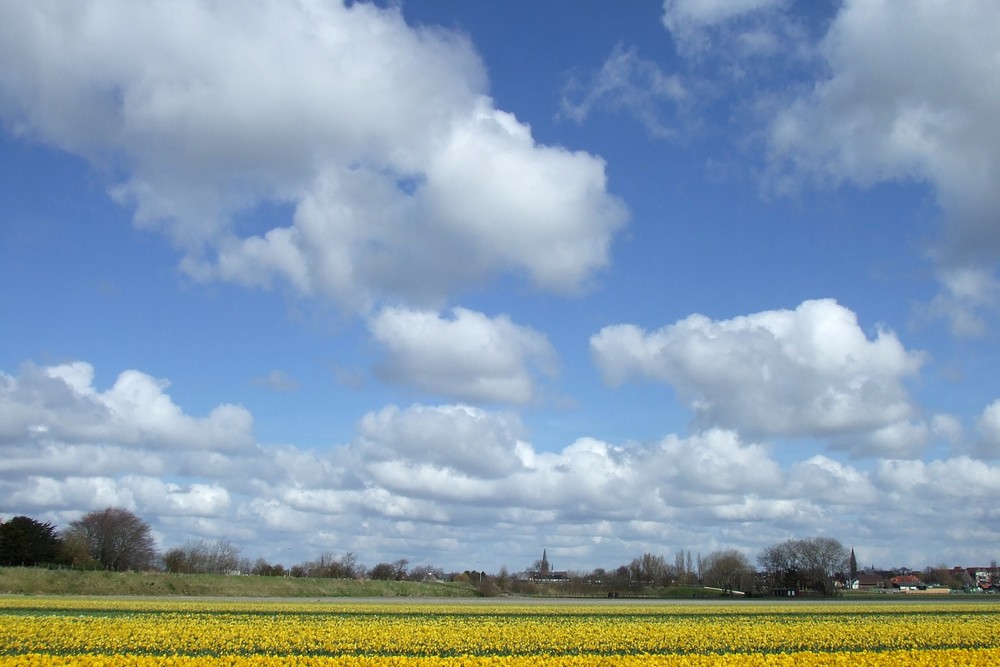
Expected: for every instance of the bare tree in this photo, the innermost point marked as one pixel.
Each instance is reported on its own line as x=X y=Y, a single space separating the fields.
x=812 y=563
x=650 y=569
x=329 y=566
x=203 y=557
x=115 y=538
x=729 y=570
x=262 y=568
x=778 y=563
x=383 y=571
x=823 y=559
x=395 y=570
x=621 y=578
x=683 y=568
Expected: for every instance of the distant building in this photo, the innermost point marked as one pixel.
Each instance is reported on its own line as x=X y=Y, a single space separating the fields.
x=908 y=582
x=545 y=573
x=869 y=581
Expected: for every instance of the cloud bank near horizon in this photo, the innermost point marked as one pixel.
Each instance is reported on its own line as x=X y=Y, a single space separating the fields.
x=453 y=472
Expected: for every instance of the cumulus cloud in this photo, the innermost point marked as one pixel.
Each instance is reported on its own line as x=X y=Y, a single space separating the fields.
x=173 y=499
x=708 y=468
x=468 y=356
x=825 y=480
x=428 y=482
x=942 y=480
x=809 y=371
x=896 y=106
x=469 y=473
x=899 y=440
x=60 y=404
x=462 y=438
x=77 y=493
x=403 y=179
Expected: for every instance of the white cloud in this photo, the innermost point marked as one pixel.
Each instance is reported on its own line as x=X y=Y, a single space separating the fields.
x=60 y=404
x=248 y=102
x=629 y=83
x=446 y=483
x=966 y=292
x=898 y=440
x=404 y=179
x=753 y=27
x=811 y=371
x=897 y=105
x=830 y=482
x=712 y=462
x=277 y=380
x=947 y=428
x=172 y=499
x=961 y=479
x=33 y=456
x=588 y=480
x=511 y=202
x=461 y=438
x=707 y=13
x=468 y=356
x=277 y=516
x=987 y=445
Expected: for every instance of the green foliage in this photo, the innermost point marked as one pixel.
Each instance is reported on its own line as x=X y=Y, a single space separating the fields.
x=25 y=541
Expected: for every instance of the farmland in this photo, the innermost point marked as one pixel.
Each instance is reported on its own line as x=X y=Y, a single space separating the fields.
x=147 y=631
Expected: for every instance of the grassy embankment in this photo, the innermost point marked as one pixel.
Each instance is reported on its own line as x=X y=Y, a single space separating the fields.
x=42 y=581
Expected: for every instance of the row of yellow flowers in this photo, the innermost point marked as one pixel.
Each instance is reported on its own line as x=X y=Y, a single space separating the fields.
x=161 y=632
x=926 y=658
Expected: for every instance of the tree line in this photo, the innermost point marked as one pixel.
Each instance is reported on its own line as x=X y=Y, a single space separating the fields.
x=112 y=539
x=117 y=539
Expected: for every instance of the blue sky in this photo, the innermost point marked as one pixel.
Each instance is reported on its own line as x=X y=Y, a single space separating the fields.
x=459 y=281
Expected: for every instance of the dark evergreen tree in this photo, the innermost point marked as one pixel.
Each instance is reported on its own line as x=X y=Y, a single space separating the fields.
x=25 y=541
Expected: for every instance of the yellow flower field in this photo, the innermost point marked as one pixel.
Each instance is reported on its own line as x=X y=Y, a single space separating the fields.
x=86 y=631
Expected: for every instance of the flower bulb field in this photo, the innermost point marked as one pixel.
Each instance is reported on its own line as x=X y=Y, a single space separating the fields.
x=511 y=632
